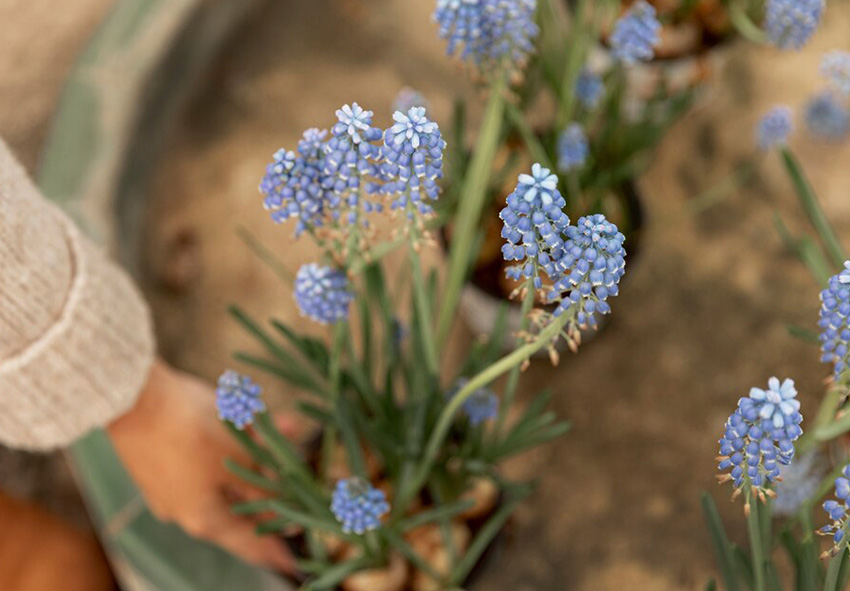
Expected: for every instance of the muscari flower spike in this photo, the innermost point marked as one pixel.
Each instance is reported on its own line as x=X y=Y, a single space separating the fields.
x=481 y=406
x=592 y=265
x=413 y=161
x=799 y=481
x=774 y=128
x=490 y=33
x=759 y=437
x=589 y=88
x=838 y=513
x=791 y=23
x=572 y=148
x=322 y=293
x=352 y=162
x=238 y=399
x=358 y=506
x=835 y=322
x=636 y=34
x=295 y=184
x=827 y=117
x=533 y=224
x=835 y=66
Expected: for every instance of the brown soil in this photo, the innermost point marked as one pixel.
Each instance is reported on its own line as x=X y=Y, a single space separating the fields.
x=702 y=318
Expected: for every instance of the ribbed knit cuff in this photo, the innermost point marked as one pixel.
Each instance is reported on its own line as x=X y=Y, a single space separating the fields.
x=88 y=367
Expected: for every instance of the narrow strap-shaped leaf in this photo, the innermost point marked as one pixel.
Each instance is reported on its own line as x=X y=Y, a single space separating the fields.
x=304 y=519
x=289 y=373
x=406 y=550
x=722 y=547
x=270 y=527
x=253 y=478
x=435 y=513
x=337 y=573
x=313 y=350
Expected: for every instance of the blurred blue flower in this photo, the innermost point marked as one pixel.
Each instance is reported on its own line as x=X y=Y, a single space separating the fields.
x=592 y=265
x=572 y=148
x=835 y=65
x=358 y=506
x=827 y=117
x=774 y=128
x=636 y=34
x=237 y=399
x=413 y=161
x=838 y=513
x=753 y=447
x=791 y=23
x=322 y=293
x=835 y=322
x=533 y=225
x=494 y=34
x=799 y=482
x=407 y=98
x=589 y=88
x=482 y=405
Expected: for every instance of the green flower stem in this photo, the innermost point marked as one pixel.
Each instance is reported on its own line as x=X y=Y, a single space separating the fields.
x=575 y=60
x=830 y=583
x=513 y=377
x=812 y=207
x=473 y=199
x=335 y=377
x=538 y=152
x=422 y=301
x=444 y=422
x=744 y=24
x=756 y=542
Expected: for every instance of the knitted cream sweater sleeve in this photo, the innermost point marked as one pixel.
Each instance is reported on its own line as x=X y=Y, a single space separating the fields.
x=75 y=335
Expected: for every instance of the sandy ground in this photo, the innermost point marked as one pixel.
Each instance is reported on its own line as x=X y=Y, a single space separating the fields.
x=701 y=319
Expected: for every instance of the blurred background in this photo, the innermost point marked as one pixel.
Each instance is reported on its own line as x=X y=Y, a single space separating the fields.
x=702 y=317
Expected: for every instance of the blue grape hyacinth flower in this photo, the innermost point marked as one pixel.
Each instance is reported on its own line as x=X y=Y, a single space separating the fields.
x=533 y=225
x=838 y=513
x=238 y=399
x=295 y=184
x=827 y=117
x=481 y=406
x=407 y=98
x=774 y=128
x=799 y=482
x=791 y=23
x=358 y=506
x=835 y=66
x=636 y=34
x=413 y=161
x=589 y=88
x=322 y=293
x=834 y=322
x=753 y=447
x=593 y=262
x=572 y=148
x=492 y=34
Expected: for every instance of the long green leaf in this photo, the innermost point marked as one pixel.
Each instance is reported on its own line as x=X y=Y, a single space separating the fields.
x=444 y=511
x=722 y=547
x=337 y=573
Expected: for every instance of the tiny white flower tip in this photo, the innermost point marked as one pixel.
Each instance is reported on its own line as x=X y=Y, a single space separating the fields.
x=526 y=179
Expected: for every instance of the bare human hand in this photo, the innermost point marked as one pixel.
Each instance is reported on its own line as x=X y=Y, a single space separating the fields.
x=174 y=447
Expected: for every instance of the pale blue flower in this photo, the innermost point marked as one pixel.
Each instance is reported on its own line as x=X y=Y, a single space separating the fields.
x=827 y=117
x=774 y=128
x=481 y=406
x=778 y=404
x=589 y=89
x=407 y=98
x=835 y=65
x=572 y=148
x=636 y=34
x=791 y=23
x=835 y=322
x=838 y=513
x=238 y=399
x=799 y=482
x=322 y=293
x=358 y=506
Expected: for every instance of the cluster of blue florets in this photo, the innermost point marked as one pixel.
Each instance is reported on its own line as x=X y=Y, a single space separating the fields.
x=774 y=128
x=481 y=406
x=572 y=148
x=838 y=512
x=759 y=436
x=827 y=117
x=358 y=506
x=791 y=23
x=413 y=161
x=636 y=34
x=835 y=66
x=322 y=293
x=799 y=482
x=592 y=264
x=238 y=399
x=534 y=223
x=493 y=34
x=835 y=322
x=340 y=178
x=589 y=88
